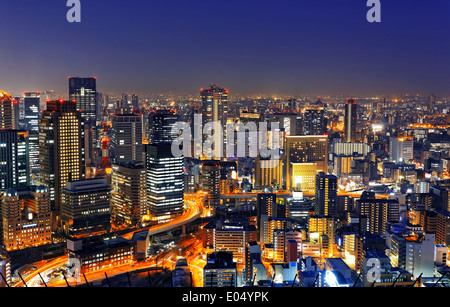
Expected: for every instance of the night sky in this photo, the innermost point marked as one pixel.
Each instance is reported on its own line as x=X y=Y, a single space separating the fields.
x=298 y=47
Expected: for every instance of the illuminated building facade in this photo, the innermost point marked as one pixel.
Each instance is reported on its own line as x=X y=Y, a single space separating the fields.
x=105 y=254
x=210 y=181
x=401 y=149
x=305 y=149
x=268 y=173
x=165 y=181
x=61 y=150
x=14 y=159
x=84 y=92
x=220 y=270
x=233 y=239
x=85 y=208
x=214 y=109
x=129 y=193
x=303 y=176
x=126 y=138
x=326 y=194
x=323 y=227
x=314 y=122
x=31 y=104
x=26 y=219
x=6 y=111
x=350 y=121
x=378 y=211
x=160 y=125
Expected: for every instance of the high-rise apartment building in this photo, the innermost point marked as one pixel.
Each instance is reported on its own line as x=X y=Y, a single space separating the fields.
x=323 y=227
x=377 y=211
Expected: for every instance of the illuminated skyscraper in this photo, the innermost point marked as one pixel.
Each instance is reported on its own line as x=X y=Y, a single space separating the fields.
x=326 y=194
x=350 y=121
x=215 y=109
x=84 y=91
x=165 y=181
x=210 y=181
x=129 y=193
x=160 y=125
x=31 y=102
x=14 y=159
x=126 y=138
x=6 y=111
x=61 y=149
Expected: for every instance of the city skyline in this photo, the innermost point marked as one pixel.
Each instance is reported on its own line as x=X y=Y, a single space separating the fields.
x=322 y=48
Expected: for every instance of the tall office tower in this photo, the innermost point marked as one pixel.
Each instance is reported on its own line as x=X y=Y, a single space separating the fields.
x=31 y=104
x=84 y=92
x=350 y=121
x=85 y=208
x=26 y=218
x=210 y=181
x=160 y=125
x=305 y=149
x=220 y=270
x=326 y=194
x=14 y=159
x=135 y=102
x=6 y=110
x=129 y=193
x=5 y=268
x=165 y=181
x=401 y=149
x=61 y=150
x=323 y=227
x=378 y=212
x=314 y=122
x=215 y=109
x=126 y=138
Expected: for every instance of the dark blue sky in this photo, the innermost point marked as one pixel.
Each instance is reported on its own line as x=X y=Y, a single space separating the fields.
x=316 y=47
